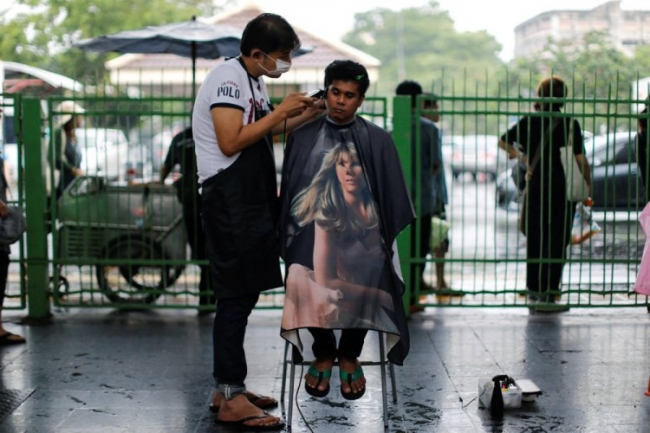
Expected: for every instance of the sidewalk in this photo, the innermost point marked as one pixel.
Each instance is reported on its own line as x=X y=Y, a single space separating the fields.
x=109 y=371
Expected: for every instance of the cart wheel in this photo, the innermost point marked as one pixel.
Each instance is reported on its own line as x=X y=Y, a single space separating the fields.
x=135 y=282
x=61 y=287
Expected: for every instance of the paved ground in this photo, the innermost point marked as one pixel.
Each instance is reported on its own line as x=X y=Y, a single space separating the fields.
x=109 y=371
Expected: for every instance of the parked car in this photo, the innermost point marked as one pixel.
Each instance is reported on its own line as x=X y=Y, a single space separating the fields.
x=478 y=154
x=616 y=179
x=450 y=144
x=105 y=152
x=148 y=152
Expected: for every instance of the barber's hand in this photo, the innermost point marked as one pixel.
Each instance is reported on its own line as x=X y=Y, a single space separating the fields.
x=77 y=172
x=4 y=210
x=294 y=104
x=316 y=109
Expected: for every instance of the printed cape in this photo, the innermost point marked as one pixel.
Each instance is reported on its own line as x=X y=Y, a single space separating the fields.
x=370 y=294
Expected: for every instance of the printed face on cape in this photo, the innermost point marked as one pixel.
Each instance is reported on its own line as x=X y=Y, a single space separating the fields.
x=343 y=100
x=350 y=174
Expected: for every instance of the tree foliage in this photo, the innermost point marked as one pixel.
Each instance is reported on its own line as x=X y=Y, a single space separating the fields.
x=422 y=44
x=43 y=36
x=599 y=77
x=419 y=43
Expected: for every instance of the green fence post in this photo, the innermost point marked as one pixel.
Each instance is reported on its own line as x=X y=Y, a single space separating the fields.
x=38 y=306
x=402 y=138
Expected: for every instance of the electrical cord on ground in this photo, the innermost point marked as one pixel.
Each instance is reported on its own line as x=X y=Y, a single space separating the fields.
x=302 y=415
x=463 y=406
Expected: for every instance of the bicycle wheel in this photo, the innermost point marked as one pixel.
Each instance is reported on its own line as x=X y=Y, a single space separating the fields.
x=137 y=282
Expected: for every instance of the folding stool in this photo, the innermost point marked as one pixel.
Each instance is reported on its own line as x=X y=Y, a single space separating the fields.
x=296 y=359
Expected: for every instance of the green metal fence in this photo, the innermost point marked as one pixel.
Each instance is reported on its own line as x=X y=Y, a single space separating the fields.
x=117 y=236
x=486 y=262
x=11 y=139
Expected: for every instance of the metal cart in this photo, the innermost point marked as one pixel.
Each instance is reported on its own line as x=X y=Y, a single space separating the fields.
x=129 y=233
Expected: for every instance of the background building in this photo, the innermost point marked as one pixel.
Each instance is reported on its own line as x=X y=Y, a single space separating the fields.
x=626 y=29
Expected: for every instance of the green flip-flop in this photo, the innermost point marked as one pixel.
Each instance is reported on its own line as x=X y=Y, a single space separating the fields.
x=320 y=375
x=349 y=378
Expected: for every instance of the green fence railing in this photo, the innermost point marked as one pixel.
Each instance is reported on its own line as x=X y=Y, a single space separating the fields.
x=11 y=139
x=118 y=239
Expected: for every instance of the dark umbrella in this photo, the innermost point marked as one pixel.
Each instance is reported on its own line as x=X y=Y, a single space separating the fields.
x=191 y=39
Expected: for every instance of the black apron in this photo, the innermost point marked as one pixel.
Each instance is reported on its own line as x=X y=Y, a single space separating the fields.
x=240 y=219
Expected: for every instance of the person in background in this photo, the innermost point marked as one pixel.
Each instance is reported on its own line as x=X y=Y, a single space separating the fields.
x=181 y=154
x=549 y=214
x=440 y=198
x=6 y=338
x=432 y=191
x=67 y=154
x=232 y=124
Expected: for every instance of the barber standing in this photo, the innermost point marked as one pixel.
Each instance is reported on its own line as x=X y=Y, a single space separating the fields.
x=233 y=123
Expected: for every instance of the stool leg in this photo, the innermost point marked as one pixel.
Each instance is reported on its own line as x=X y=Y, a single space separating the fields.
x=391 y=367
x=291 y=385
x=382 y=364
x=284 y=375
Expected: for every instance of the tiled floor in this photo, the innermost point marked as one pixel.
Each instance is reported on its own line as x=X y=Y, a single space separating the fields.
x=110 y=371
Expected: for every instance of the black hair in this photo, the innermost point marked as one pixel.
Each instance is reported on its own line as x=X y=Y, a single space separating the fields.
x=411 y=88
x=347 y=70
x=268 y=32
x=553 y=87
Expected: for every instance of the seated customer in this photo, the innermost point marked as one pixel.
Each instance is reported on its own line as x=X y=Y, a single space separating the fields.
x=343 y=202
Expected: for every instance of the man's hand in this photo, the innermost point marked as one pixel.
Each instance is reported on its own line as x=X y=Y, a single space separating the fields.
x=294 y=104
x=316 y=109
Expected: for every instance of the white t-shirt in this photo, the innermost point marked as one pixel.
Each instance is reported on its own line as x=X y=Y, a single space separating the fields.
x=227 y=85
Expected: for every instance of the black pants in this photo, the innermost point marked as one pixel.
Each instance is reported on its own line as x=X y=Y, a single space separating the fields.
x=419 y=251
x=228 y=335
x=350 y=344
x=549 y=233
x=4 y=273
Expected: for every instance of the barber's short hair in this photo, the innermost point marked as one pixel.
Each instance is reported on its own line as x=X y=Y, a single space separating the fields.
x=410 y=88
x=553 y=87
x=347 y=70
x=268 y=32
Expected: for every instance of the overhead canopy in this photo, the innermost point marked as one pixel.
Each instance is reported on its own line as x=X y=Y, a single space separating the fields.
x=194 y=39
x=188 y=39
x=12 y=70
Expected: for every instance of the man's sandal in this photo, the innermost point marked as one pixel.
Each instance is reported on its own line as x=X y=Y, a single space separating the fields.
x=9 y=339
x=261 y=401
x=349 y=378
x=320 y=375
x=241 y=424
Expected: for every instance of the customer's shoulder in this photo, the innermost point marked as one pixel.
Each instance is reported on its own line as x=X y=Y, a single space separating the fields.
x=374 y=129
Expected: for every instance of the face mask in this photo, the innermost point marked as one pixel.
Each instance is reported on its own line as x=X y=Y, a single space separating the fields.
x=280 y=67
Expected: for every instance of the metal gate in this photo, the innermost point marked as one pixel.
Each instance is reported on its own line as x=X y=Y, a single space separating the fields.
x=118 y=241
x=486 y=262
x=11 y=138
